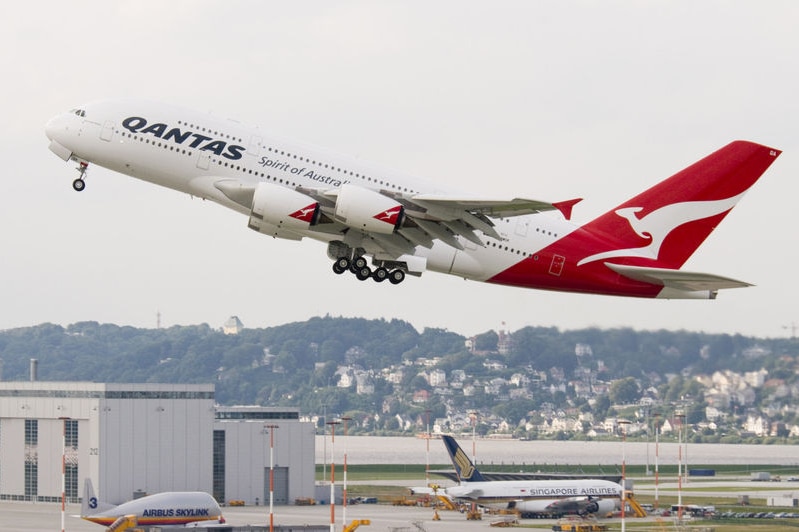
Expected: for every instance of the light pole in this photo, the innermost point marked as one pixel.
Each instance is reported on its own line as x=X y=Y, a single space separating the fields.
x=427 y=458
x=324 y=443
x=623 y=425
x=646 y=410
x=473 y=417
x=657 y=457
x=332 y=474
x=64 y=421
x=271 y=429
x=344 y=490
x=680 y=417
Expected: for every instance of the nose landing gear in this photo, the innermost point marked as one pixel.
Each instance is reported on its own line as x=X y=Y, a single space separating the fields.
x=79 y=184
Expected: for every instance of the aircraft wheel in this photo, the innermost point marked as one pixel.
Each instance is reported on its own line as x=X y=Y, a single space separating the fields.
x=380 y=275
x=363 y=273
x=341 y=265
x=79 y=184
x=358 y=263
x=396 y=276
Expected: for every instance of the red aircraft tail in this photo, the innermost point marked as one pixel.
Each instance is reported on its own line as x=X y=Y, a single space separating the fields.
x=669 y=221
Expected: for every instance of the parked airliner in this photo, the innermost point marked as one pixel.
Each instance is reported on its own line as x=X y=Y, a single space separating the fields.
x=530 y=497
x=167 y=509
x=405 y=225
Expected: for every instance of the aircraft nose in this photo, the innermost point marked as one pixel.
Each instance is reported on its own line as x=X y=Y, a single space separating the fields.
x=57 y=131
x=54 y=126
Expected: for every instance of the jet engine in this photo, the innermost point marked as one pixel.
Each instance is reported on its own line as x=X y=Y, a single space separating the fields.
x=580 y=506
x=368 y=210
x=280 y=209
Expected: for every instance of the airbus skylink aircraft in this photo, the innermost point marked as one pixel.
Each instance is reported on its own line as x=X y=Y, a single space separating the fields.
x=530 y=497
x=406 y=225
x=167 y=509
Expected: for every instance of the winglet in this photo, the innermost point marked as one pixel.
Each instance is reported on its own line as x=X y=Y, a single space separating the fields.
x=565 y=207
x=464 y=467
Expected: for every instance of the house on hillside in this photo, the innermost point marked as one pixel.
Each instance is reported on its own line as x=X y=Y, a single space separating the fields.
x=233 y=325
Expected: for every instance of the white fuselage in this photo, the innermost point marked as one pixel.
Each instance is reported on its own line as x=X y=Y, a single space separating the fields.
x=538 y=496
x=164 y=509
x=190 y=151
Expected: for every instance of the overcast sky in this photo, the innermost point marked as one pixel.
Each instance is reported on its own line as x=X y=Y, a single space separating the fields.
x=549 y=100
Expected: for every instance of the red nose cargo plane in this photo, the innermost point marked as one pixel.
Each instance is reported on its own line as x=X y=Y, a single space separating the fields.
x=407 y=225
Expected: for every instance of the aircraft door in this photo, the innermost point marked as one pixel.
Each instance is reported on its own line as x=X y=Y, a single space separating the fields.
x=522 y=226
x=107 y=132
x=254 y=148
x=204 y=160
x=556 y=266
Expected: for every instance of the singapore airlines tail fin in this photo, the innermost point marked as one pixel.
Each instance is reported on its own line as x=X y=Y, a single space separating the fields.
x=466 y=470
x=669 y=221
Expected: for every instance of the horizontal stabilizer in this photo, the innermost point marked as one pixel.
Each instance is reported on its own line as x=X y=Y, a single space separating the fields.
x=677 y=279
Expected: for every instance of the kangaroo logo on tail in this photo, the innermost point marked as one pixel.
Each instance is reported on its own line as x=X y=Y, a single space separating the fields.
x=666 y=223
x=658 y=224
x=466 y=470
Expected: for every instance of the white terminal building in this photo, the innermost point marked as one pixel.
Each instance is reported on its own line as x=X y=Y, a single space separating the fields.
x=135 y=439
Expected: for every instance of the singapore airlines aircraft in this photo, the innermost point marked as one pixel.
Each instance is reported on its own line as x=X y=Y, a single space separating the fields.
x=530 y=497
x=405 y=225
x=168 y=509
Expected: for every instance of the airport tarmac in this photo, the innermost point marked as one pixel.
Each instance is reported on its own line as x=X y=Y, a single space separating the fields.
x=29 y=517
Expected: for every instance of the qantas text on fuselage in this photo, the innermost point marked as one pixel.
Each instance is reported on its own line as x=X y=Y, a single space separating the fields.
x=382 y=225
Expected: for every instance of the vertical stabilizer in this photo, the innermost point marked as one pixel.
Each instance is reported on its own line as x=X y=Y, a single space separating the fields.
x=464 y=467
x=91 y=505
x=665 y=224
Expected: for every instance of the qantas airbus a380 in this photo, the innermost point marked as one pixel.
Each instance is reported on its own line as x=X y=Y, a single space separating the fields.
x=406 y=225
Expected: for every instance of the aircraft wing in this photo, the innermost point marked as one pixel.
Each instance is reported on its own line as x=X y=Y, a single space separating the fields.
x=489 y=207
x=677 y=279
x=439 y=217
x=472 y=212
x=463 y=491
x=429 y=217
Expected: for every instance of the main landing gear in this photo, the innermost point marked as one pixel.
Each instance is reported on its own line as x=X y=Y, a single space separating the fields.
x=79 y=184
x=360 y=268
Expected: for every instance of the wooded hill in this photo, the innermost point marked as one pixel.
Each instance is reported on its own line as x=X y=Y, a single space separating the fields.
x=296 y=364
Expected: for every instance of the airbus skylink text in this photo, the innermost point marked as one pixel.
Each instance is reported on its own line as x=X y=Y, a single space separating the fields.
x=176 y=512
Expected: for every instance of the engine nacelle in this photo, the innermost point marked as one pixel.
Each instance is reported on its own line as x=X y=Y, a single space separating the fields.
x=280 y=209
x=565 y=506
x=368 y=210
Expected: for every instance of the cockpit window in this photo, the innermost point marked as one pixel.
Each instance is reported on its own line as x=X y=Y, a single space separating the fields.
x=79 y=112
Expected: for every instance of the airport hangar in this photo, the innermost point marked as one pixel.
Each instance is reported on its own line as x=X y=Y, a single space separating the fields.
x=136 y=439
